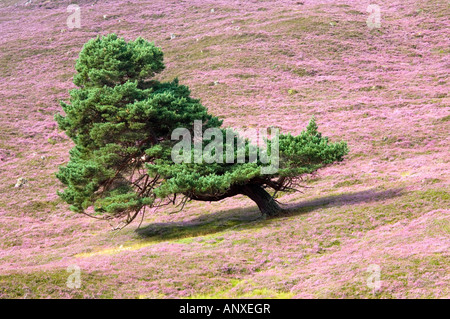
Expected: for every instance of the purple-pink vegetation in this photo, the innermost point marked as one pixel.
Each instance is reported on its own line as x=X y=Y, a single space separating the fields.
x=255 y=64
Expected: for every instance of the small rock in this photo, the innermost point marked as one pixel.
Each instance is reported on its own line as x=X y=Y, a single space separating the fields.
x=21 y=181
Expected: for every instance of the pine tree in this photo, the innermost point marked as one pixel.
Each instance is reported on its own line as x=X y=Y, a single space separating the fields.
x=121 y=120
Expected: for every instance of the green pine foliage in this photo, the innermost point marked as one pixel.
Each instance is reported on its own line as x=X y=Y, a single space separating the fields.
x=121 y=119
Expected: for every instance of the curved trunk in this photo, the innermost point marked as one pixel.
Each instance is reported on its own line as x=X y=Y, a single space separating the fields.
x=266 y=204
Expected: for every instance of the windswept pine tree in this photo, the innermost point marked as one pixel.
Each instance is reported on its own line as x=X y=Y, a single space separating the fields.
x=122 y=122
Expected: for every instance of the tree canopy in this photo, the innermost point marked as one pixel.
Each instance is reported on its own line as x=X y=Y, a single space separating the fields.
x=122 y=122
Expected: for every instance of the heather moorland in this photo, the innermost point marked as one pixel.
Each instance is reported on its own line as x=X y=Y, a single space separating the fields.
x=254 y=64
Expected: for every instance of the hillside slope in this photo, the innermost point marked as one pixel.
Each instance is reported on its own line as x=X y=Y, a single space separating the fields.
x=254 y=64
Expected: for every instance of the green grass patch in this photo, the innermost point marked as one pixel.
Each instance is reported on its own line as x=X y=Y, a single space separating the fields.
x=348 y=183
x=53 y=284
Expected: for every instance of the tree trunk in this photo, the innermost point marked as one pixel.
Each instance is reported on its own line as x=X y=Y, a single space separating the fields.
x=266 y=204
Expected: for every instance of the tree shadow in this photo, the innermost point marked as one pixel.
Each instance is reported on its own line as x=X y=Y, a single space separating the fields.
x=370 y=195
x=250 y=217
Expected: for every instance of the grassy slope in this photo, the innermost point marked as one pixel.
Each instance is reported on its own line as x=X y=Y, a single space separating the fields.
x=385 y=91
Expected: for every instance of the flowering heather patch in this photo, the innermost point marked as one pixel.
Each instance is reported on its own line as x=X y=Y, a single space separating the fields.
x=255 y=65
